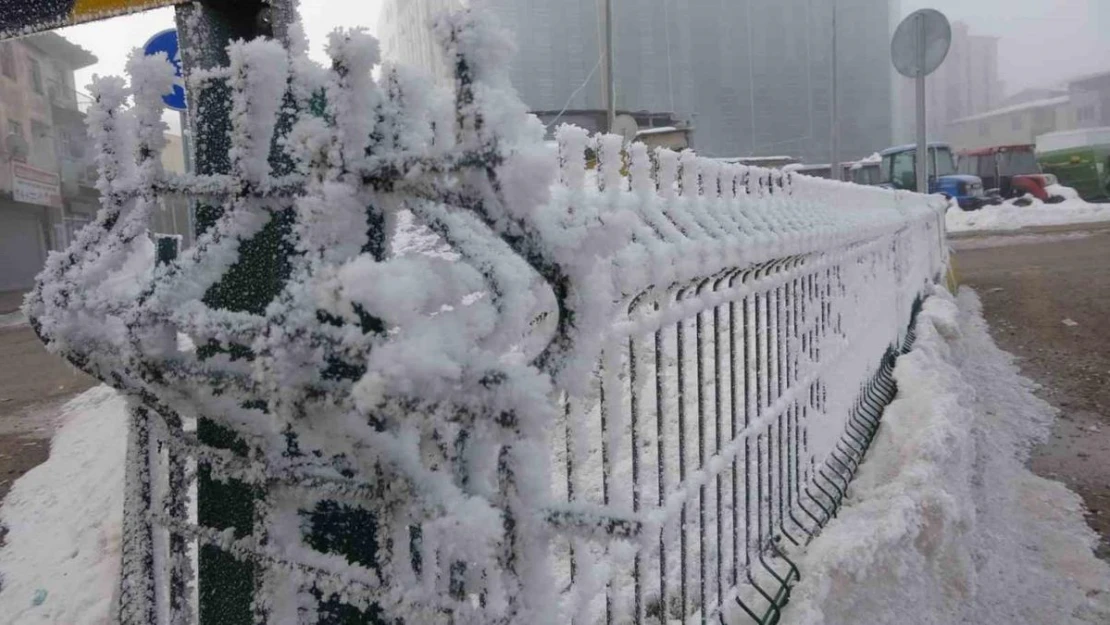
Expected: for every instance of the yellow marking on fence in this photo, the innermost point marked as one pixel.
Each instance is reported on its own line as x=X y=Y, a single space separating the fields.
x=952 y=279
x=84 y=10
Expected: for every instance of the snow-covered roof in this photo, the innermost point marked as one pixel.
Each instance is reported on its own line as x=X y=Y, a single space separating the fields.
x=1024 y=106
x=934 y=145
x=1087 y=77
x=656 y=131
x=755 y=160
x=1071 y=139
x=803 y=167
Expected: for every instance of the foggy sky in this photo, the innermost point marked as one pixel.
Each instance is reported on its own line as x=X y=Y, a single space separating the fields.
x=1042 y=42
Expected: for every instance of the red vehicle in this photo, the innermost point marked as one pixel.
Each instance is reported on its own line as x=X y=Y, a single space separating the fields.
x=1009 y=171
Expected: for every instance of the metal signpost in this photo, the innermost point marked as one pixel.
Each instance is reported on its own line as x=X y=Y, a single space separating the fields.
x=166 y=42
x=609 y=95
x=919 y=46
x=834 y=141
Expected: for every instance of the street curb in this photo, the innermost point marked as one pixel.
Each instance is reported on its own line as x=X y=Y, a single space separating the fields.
x=1089 y=226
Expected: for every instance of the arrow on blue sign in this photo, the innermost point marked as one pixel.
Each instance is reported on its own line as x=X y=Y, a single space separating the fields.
x=166 y=41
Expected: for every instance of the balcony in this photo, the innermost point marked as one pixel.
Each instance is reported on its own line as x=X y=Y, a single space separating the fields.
x=68 y=103
x=77 y=177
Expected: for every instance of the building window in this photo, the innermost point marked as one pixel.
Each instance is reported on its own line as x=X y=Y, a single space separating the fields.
x=15 y=128
x=36 y=76
x=7 y=60
x=39 y=131
x=1085 y=114
x=1017 y=122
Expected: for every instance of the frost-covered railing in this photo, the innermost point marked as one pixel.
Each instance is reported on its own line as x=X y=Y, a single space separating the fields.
x=491 y=384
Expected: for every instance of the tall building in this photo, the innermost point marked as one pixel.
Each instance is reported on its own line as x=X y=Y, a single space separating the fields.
x=965 y=84
x=751 y=76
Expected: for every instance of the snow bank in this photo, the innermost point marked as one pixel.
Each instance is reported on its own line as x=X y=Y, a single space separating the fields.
x=1067 y=193
x=945 y=524
x=1009 y=217
x=60 y=563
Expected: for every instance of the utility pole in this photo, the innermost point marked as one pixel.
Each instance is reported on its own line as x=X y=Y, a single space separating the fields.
x=609 y=94
x=834 y=142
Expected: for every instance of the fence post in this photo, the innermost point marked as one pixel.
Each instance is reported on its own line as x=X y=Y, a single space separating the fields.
x=225 y=585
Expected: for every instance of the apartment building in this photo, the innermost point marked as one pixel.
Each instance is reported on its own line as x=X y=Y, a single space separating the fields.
x=46 y=186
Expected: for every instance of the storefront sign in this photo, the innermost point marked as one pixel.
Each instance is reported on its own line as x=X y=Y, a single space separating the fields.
x=35 y=186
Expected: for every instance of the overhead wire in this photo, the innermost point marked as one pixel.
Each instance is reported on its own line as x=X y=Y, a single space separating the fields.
x=589 y=77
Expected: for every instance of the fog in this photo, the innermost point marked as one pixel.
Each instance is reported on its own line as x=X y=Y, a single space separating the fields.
x=1041 y=42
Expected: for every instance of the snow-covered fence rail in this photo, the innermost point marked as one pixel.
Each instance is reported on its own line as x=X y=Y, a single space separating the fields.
x=606 y=395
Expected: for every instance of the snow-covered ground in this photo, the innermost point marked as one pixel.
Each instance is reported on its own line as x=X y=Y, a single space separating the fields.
x=61 y=558
x=1007 y=216
x=944 y=524
x=12 y=319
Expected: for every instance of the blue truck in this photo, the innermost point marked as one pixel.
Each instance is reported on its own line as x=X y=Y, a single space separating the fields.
x=899 y=171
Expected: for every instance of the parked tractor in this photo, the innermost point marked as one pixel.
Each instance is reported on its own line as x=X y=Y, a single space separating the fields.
x=1010 y=172
x=899 y=171
x=1080 y=159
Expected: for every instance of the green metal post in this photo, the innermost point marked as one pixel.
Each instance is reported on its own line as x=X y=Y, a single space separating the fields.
x=226 y=585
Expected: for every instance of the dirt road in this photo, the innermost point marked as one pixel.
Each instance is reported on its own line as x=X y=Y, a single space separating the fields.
x=1047 y=299
x=33 y=385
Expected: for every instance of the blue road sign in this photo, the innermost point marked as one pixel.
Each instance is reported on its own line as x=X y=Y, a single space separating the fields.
x=166 y=41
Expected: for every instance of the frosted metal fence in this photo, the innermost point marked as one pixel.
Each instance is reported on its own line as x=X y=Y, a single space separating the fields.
x=420 y=366
x=729 y=414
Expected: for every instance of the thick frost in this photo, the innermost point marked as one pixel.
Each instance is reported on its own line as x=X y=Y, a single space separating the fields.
x=446 y=336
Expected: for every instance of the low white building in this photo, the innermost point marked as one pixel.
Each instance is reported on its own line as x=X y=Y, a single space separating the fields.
x=1019 y=124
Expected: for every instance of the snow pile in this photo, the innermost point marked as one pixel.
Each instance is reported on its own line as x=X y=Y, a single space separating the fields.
x=60 y=561
x=1006 y=216
x=1060 y=190
x=944 y=524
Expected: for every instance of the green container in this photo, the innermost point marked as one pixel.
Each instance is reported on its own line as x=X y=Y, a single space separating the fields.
x=1079 y=159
